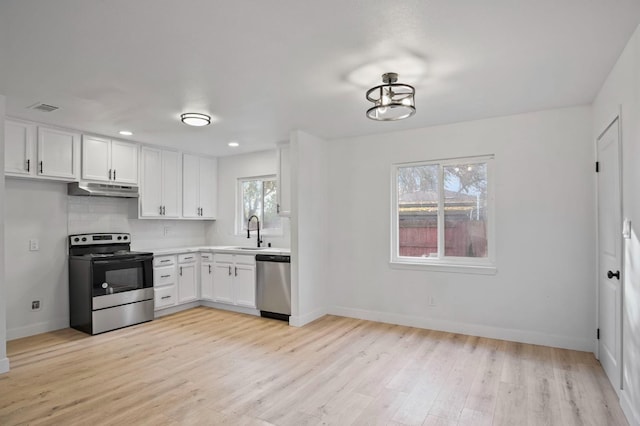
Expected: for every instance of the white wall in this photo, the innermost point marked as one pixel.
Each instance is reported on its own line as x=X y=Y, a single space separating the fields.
x=543 y=291
x=43 y=210
x=4 y=362
x=621 y=91
x=310 y=236
x=230 y=169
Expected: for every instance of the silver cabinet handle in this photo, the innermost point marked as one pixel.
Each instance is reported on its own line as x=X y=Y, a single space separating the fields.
x=236 y=271
x=114 y=174
x=278 y=208
x=41 y=167
x=165 y=261
x=160 y=210
x=165 y=297
x=229 y=270
x=181 y=271
x=28 y=165
x=165 y=276
x=209 y=269
x=190 y=257
x=109 y=174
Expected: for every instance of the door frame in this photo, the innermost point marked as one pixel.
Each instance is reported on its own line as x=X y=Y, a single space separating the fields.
x=614 y=120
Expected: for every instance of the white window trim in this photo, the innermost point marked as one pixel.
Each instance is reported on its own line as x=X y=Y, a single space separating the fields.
x=485 y=265
x=239 y=224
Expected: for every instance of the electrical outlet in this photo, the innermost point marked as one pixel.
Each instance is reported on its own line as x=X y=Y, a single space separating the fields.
x=35 y=305
x=167 y=231
x=431 y=301
x=34 y=245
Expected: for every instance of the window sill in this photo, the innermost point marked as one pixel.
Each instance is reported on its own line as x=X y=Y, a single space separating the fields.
x=445 y=267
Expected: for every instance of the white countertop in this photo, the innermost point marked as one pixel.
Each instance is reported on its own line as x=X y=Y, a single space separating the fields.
x=216 y=249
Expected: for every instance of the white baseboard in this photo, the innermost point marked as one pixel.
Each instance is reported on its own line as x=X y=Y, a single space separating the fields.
x=233 y=308
x=629 y=409
x=514 y=335
x=38 y=328
x=300 y=320
x=4 y=365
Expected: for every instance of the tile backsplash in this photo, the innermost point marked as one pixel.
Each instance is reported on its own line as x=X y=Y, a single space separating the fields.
x=103 y=214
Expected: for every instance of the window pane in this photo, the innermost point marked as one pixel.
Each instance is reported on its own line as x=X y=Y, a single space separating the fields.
x=271 y=218
x=465 y=210
x=418 y=211
x=251 y=202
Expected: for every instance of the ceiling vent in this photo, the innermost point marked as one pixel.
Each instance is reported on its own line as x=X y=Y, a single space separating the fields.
x=43 y=107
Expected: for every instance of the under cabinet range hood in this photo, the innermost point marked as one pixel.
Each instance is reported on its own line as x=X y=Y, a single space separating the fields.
x=102 y=190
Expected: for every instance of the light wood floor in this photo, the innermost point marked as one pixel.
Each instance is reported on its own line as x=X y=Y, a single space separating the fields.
x=206 y=367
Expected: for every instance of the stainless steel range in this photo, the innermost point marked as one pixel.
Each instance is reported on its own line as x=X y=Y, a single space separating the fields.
x=110 y=286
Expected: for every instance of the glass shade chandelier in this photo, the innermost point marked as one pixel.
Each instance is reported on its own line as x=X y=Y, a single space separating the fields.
x=391 y=101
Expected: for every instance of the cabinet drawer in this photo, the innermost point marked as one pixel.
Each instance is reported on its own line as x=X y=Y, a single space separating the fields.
x=187 y=258
x=164 y=260
x=164 y=276
x=206 y=257
x=165 y=296
x=243 y=259
x=223 y=257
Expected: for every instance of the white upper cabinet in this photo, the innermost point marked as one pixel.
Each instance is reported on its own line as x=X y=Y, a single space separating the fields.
x=160 y=185
x=109 y=161
x=199 y=187
x=58 y=154
x=53 y=155
x=19 y=138
x=284 y=181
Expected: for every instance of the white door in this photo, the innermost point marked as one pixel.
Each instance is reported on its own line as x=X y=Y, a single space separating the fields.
x=190 y=186
x=170 y=183
x=58 y=153
x=206 y=281
x=609 y=253
x=187 y=284
x=208 y=187
x=124 y=162
x=95 y=158
x=18 y=148
x=244 y=285
x=151 y=188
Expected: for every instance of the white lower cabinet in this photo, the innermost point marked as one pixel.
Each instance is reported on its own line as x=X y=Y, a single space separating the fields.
x=234 y=279
x=206 y=276
x=164 y=281
x=187 y=277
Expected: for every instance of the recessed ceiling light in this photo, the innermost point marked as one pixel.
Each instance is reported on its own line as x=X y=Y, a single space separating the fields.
x=233 y=144
x=195 y=119
x=126 y=133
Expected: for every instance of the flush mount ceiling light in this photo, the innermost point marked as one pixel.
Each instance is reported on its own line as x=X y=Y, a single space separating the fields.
x=125 y=133
x=391 y=101
x=195 y=119
x=233 y=144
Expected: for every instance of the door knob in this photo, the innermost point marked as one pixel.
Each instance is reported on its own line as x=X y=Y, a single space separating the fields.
x=611 y=274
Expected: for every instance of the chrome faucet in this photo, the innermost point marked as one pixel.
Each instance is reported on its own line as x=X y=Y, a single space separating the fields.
x=249 y=228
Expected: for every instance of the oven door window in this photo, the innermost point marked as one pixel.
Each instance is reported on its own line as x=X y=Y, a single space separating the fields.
x=120 y=275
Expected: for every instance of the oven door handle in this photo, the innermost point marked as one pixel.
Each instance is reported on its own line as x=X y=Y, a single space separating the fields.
x=118 y=261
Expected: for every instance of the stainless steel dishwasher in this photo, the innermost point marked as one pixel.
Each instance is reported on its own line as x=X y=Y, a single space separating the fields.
x=274 y=286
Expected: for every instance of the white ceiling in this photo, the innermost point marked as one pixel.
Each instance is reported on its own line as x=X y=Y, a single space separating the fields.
x=263 y=68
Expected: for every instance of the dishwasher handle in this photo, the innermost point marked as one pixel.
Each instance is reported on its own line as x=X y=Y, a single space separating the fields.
x=273 y=258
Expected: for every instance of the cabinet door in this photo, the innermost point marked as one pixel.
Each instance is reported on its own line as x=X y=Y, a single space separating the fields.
x=58 y=153
x=208 y=187
x=18 y=148
x=244 y=285
x=190 y=185
x=284 y=181
x=164 y=297
x=124 y=162
x=151 y=184
x=223 y=282
x=206 y=281
x=95 y=158
x=171 y=183
x=187 y=285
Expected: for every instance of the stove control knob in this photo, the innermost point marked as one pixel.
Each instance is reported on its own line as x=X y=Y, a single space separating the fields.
x=119 y=238
x=105 y=285
x=76 y=239
x=125 y=237
x=84 y=238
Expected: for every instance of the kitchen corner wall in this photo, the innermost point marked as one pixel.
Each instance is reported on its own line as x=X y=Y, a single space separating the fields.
x=230 y=169
x=42 y=210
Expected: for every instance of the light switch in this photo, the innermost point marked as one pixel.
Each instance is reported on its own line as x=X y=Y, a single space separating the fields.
x=34 y=245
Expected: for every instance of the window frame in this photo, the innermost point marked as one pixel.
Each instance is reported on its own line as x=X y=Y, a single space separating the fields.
x=240 y=230
x=484 y=265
